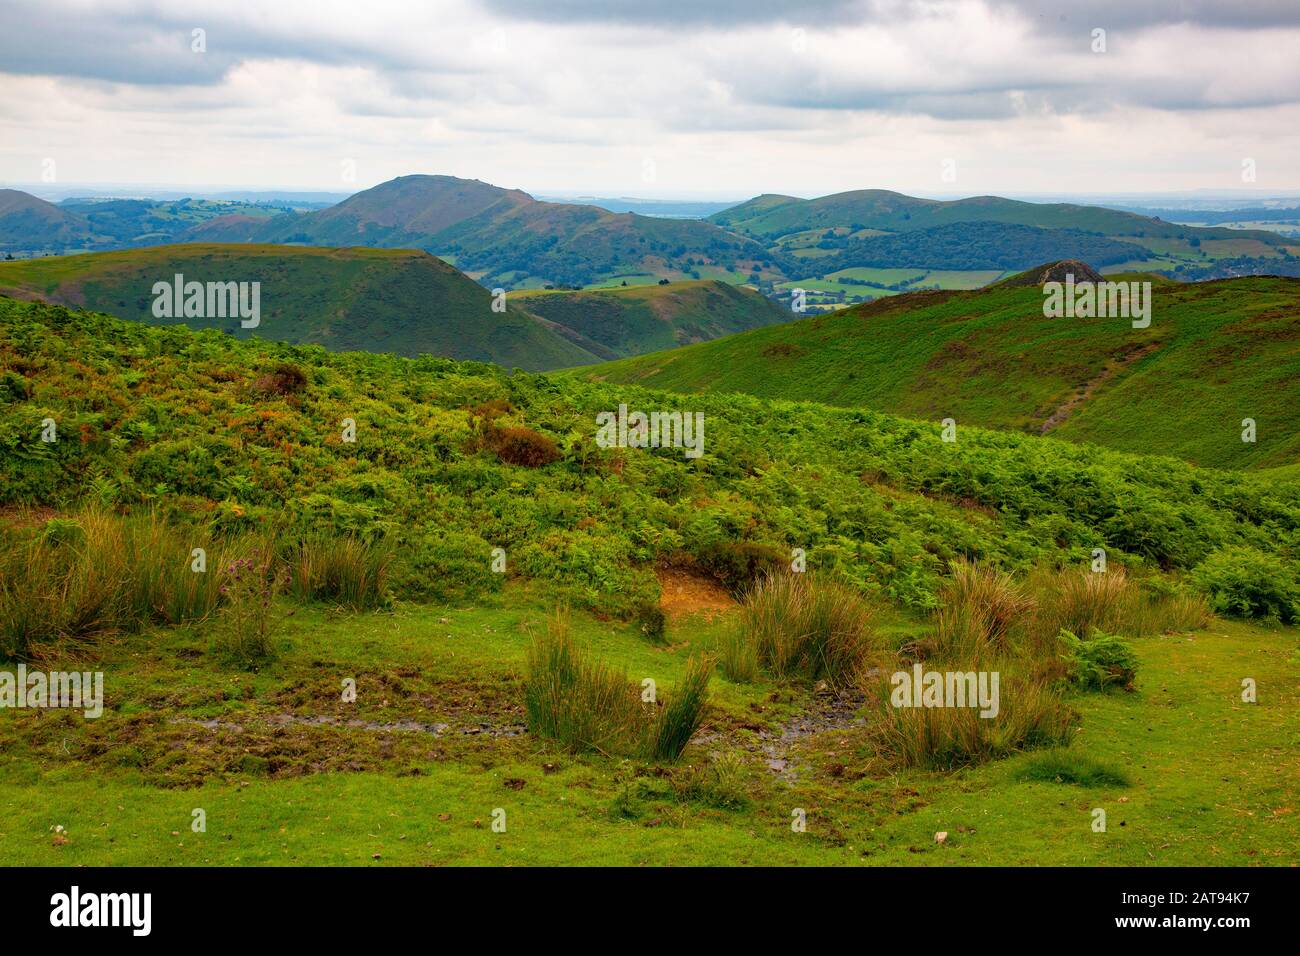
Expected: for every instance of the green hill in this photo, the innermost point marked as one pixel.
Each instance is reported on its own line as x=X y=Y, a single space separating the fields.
x=1214 y=354
x=634 y=320
x=505 y=237
x=376 y=300
x=768 y=217
x=31 y=224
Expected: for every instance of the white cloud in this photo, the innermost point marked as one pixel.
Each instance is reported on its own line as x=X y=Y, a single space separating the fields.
x=727 y=98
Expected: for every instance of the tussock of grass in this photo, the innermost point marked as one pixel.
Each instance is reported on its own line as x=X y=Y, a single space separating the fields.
x=1062 y=766
x=1031 y=714
x=345 y=570
x=680 y=716
x=979 y=608
x=1084 y=602
x=97 y=571
x=585 y=705
x=799 y=625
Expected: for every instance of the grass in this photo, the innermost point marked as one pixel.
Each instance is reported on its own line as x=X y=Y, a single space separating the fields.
x=1064 y=766
x=1153 y=390
x=795 y=625
x=1212 y=796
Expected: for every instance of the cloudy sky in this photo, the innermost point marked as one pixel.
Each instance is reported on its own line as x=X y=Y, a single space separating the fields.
x=669 y=98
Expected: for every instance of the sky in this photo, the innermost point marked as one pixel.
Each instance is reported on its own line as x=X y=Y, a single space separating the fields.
x=656 y=98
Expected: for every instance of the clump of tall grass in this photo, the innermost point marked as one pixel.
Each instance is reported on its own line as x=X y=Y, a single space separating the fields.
x=1031 y=714
x=96 y=572
x=579 y=703
x=585 y=705
x=979 y=609
x=984 y=626
x=681 y=714
x=1085 y=602
x=346 y=570
x=800 y=625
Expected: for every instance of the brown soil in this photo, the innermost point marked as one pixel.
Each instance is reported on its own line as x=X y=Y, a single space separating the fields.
x=684 y=592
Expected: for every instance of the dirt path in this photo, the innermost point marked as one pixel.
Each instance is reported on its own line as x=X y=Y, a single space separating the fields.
x=1112 y=368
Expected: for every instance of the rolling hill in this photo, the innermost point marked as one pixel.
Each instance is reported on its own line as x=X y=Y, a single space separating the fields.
x=1214 y=354
x=398 y=301
x=817 y=241
x=505 y=237
x=621 y=322
x=771 y=217
x=28 y=223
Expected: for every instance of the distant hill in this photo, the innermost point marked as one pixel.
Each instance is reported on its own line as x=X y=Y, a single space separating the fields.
x=770 y=217
x=505 y=237
x=28 y=223
x=398 y=301
x=876 y=228
x=31 y=226
x=619 y=322
x=1214 y=354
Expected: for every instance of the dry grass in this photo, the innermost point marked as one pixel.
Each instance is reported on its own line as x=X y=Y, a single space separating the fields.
x=799 y=625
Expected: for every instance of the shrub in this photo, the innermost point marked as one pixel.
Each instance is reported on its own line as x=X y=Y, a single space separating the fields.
x=285 y=379
x=1101 y=662
x=1244 y=582
x=799 y=624
x=516 y=444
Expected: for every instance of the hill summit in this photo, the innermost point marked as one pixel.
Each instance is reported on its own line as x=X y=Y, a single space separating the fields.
x=1056 y=272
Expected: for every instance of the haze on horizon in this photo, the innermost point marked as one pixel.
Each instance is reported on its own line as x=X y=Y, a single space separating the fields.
x=674 y=99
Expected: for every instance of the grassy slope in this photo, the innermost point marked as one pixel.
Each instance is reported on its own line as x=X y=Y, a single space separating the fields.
x=124 y=786
x=634 y=320
x=1219 y=352
x=881 y=500
x=345 y=299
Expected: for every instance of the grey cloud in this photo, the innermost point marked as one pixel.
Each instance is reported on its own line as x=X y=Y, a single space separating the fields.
x=1112 y=14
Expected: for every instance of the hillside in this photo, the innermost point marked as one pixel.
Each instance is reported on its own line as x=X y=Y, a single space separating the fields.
x=28 y=223
x=1214 y=354
x=32 y=226
x=396 y=301
x=377 y=558
x=768 y=218
x=879 y=499
x=631 y=321
x=505 y=237
x=831 y=244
